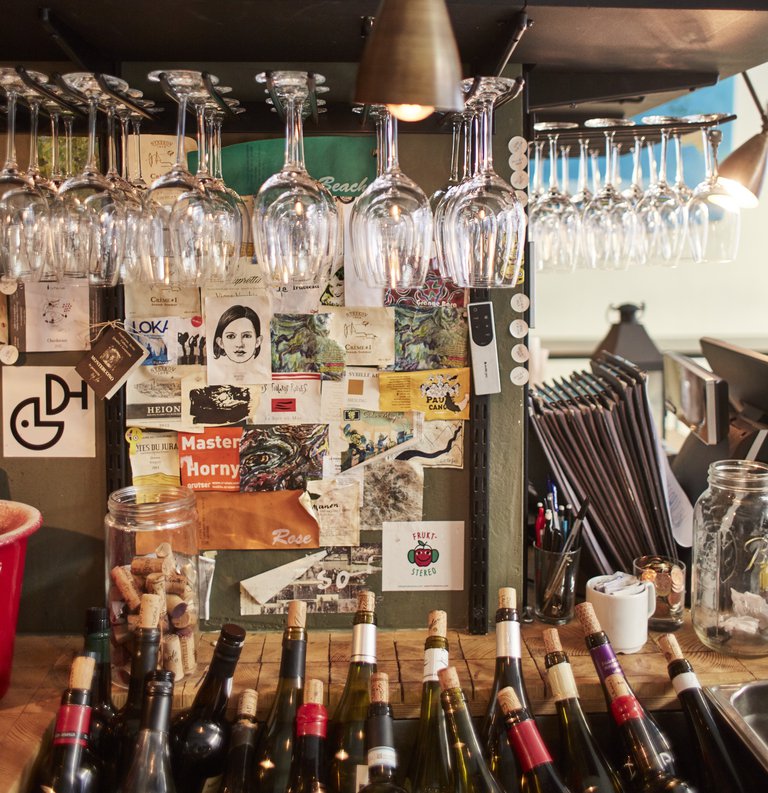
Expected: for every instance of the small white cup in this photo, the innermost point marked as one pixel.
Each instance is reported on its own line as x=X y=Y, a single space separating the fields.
x=624 y=617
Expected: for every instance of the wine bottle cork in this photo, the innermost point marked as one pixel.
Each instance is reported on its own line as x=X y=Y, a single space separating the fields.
x=175 y=583
x=155 y=584
x=552 y=643
x=616 y=686
x=126 y=586
x=144 y=565
x=175 y=606
x=172 y=656
x=297 y=614
x=449 y=678
x=437 y=623
x=246 y=704
x=366 y=601
x=508 y=700
x=163 y=550
x=670 y=647
x=313 y=691
x=507 y=597
x=188 y=655
x=150 y=611
x=184 y=619
x=380 y=687
x=81 y=674
x=589 y=622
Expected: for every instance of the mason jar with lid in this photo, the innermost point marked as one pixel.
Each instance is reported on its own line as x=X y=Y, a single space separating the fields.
x=729 y=593
x=152 y=549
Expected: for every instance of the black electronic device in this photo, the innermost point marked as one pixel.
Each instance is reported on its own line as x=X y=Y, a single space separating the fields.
x=746 y=373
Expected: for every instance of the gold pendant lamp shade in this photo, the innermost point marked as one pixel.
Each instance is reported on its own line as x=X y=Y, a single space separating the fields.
x=411 y=61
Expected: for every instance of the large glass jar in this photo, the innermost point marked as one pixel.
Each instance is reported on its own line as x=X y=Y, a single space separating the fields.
x=729 y=594
x=152 y=549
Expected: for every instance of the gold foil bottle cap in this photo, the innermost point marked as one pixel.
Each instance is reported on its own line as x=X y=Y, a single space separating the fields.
x=246 y=704
x=589 y=622
x=366 y=601
x=150 y=610
x=508 y=700
x=81 y=674
x=507 y=597
x=552 y=643
x=313 y=691
x=670 y=647
x=449 y=678
x=380 y=687
x=297 y=614
x=437 y=623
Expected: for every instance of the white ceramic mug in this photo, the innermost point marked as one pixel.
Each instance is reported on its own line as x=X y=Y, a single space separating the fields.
x=624 y=617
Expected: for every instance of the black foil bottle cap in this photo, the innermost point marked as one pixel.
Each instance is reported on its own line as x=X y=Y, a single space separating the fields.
x=96 y=619
x=159 y=683
x=230 y=641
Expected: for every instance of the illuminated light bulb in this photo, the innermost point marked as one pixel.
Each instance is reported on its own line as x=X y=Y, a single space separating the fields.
x=411 y=112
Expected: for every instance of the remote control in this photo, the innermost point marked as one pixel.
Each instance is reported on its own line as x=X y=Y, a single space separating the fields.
x=482 y=342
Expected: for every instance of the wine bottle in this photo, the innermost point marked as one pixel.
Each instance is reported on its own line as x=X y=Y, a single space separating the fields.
x=200 y=734
x=380 y=739
x=470 y=770
x=102 y=709
x=606 y=664
x=582 y=764
x=150 y=770
x=62 y=770
x=124 y=727
x=273 y=753
x=308 y=766
x=538 y=772
x=430 y=770
x=346 y=744
x=651 y=773
x=717 y=770
x=238 y=774
x=493 y=735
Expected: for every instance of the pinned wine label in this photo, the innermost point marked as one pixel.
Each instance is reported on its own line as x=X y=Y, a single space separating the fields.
x=435 y=659
x=562 y=682
x=508 y=644
x=685 y=681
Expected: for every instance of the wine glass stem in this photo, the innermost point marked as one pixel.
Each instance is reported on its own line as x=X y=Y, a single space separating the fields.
x=565 y=152
x=663 y=157
x=466 y=167
x=136 y=126
x=486 y=137
x=390 y=142
x=68 y=122
x=637 y=163
x=93 y=107
x=714 y=138
x=202 y=146
x=707 y=153
x=455 y=146
x=538 y=148
x=111 y=148
x=609 y=135
x=553 y=186
x=380 y=145
x=33 y=169
x=583 y=155
x=124 y=147
x=652 y=171
x=181 y=121
x=10 y=143
x=476 y=135
x=218 y=172
x=294 y=134
x=679 y=175
x=55 y=170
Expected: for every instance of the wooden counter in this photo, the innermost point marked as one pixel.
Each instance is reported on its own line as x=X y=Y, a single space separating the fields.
x=41 y=669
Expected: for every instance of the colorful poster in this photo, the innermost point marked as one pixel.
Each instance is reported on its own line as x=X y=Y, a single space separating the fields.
x=282 y=457
x=204 y=405
x=238 y=328
x=304 y=343
x=328 y=581
x=50 y=317
x=154 y=457
x=432 y=338
x=48 y=411
x=439 y=395
x=420 y=555
x=288 y=399
x=441 y=445
x=359 y=389
x=437 y=291
x=393 y=490
x=368 y=335
x=256 y=521
x=367 y=435
x=210 y=460
x=178 y=341
x=153 y=396
x=336 y=503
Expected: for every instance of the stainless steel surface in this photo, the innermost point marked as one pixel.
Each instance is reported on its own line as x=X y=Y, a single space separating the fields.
x=745 y=707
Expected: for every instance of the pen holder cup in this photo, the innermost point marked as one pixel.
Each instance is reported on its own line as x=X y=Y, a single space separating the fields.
x=555 y=584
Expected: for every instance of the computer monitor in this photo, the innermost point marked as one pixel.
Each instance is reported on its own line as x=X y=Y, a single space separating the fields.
x=746 y=373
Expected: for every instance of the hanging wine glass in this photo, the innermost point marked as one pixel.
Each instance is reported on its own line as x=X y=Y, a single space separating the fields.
x=611 y=230
x=580 y=199
x=295 y=220
x=453 y=178
x=714 y=216
x=661 y=212
x=634 y=193
x=391 y=224
x=537 y=188
x=554 y=221
x=484 y=221
x=92 y=229
x=597 y=177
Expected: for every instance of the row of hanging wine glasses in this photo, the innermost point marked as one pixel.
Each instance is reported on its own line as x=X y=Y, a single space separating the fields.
x=600 y=226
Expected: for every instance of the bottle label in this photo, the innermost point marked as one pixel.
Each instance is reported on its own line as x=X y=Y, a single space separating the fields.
x=562 y=682
x=361 y=776
x=211 y=785
x=605 y=662
x=312 y=719
x=625 y=708
x=382 y=755
x=435 y=659
x=685 y=681
x=528 y=745
x=364 y=643
x=72 y=725
x=508 y=643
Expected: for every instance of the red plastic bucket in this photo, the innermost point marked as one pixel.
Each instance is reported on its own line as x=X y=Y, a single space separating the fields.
x=17 y=522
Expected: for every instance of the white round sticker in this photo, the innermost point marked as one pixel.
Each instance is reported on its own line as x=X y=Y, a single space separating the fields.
x=517 y=144
x=519 y=179
x=522 y=197
x=520 y=302
x=8 y=286
x=520 y=353
x=518 y=328
x=9 y=354
x=519 y=375
x=518 y=162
